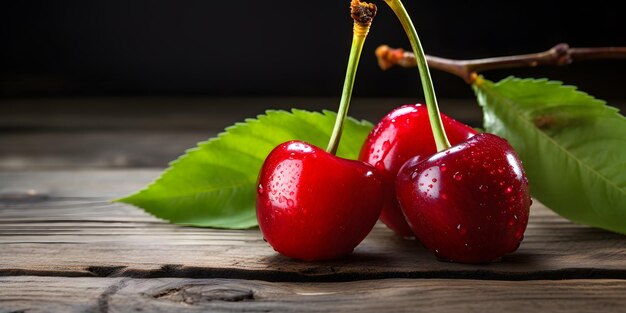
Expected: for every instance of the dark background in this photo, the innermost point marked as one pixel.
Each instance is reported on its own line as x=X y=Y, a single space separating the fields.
x=281 y=48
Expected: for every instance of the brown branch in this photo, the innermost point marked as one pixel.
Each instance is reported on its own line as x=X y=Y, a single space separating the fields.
x=560 y=54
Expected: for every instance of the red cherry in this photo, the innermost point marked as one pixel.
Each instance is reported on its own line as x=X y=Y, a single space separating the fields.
x=312 y=205
x=402 y=134
x=469 y=203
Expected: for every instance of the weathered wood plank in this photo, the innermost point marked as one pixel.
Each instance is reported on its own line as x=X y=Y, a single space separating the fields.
x=59 y=223
x=54 y=294
x=188 y=113
x=146 y=132
x=95 y=149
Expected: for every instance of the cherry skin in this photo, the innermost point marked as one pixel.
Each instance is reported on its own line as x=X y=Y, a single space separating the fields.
x=402 y=134
x=469 y=203
x=312 y=205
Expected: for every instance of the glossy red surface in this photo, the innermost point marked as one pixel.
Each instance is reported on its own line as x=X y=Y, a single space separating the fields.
x=402 y=134
x=469 y=203
x=312 y=205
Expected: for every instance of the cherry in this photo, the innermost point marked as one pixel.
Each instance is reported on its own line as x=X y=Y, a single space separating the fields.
x=312 y=205
x=469 y=203
x=404 y=133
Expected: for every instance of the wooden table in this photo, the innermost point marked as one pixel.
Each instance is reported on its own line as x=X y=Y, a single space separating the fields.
x=65 y=248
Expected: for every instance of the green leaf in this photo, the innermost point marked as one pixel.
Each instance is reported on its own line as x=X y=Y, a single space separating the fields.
x=572 y=145
x=214 y=184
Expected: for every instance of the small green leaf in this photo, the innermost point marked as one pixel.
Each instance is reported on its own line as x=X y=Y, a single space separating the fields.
x=572 y=145
x=214 y=184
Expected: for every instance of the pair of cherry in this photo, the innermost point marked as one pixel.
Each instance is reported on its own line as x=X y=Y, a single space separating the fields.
x=468 y=203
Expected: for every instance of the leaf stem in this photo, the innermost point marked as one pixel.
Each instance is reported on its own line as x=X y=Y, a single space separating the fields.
x=560 y=54
x=427 y=83
x=362 y=13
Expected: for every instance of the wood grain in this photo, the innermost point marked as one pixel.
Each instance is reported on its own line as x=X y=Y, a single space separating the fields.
x=55 y=294
x=58 y=223
x=96 y=149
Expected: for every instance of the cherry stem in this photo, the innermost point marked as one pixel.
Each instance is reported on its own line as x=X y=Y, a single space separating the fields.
x=362 y=13
x=436 y=124
x=560 y=54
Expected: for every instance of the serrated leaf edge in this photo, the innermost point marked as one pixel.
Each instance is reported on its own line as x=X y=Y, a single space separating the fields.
x=512 y=107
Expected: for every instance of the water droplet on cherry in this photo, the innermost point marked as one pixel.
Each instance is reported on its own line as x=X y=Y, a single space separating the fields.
x=458 y=176
x=386 y=145
x=462 y=230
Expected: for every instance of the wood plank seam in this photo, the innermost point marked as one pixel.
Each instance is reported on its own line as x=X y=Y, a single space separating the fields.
x=179 y=271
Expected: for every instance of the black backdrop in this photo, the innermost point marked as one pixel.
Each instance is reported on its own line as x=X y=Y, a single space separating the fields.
x=281 y=48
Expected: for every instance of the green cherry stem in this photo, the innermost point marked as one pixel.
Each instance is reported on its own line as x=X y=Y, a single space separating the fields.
x=362 y=13
x=427 y=83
